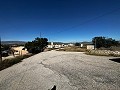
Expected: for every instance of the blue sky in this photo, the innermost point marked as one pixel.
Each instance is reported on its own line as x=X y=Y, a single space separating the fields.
x=59 y=20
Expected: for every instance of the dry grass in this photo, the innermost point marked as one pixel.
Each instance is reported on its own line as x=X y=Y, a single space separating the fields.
x=9 y=62
x=73 y=49
x=114 y=48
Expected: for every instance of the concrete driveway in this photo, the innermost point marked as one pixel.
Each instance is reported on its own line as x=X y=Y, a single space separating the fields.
x=66 y=70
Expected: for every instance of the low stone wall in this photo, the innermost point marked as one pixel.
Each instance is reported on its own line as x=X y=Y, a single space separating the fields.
x=104 y=52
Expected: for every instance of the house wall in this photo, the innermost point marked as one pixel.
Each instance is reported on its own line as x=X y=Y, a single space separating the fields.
x=90 y=47
x=81 y=45
x=19 y=50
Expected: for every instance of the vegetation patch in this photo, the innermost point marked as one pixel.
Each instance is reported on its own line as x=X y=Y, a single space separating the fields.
x=36 y=46
x=9 y=62
x=103 y=53
x=73 y=49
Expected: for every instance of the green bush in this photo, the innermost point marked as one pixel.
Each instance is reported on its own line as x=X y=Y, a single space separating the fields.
x=37 y=45
x=104 y=42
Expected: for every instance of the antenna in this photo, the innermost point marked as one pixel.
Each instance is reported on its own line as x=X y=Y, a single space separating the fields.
x=40 y=35
x=49 y=39
x=95 y=43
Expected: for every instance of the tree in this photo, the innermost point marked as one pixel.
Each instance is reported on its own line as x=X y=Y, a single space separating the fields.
x=36 y=46
x=5 y=47
x=104 y=42
x=77 y=44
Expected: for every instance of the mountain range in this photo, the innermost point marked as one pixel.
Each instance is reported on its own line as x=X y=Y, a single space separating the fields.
x=13 y=42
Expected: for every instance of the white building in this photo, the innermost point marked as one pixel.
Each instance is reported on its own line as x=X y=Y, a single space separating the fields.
x=70 y=44
x=90 y=47
x=52 y=45
x=81 y=45
x=21 y=50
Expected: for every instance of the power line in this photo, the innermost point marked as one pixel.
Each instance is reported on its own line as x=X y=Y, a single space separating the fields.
x=90 y=20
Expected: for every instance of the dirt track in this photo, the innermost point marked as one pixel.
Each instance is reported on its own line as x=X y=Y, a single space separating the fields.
x=66 y=70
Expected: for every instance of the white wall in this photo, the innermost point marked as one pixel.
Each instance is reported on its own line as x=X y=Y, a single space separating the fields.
x=90 y=47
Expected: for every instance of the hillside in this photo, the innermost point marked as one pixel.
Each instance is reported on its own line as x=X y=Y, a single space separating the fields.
x=14 y=42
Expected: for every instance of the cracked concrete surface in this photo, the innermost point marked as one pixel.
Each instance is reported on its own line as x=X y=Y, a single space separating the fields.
x=66 y=70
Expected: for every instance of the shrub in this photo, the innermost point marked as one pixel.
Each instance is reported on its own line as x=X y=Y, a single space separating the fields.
x=37 y=45
x=9 y=62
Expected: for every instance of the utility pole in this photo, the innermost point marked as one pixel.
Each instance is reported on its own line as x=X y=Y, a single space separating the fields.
x=95 y=43
x=0 y=51
x=40 y=34
x=49 y=39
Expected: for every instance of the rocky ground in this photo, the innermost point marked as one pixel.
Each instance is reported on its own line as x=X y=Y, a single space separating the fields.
x=66 y=70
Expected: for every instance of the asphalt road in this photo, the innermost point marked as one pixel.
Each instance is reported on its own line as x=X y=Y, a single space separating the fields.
x=66 y=70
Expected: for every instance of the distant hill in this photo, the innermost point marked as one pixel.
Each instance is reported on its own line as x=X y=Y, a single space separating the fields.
x=14 y=42
x=85 y=42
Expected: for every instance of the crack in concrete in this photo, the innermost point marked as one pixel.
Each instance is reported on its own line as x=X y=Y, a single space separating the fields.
x=60 y=74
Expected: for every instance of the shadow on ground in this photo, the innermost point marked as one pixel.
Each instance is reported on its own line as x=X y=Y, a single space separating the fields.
x=54 y=88
x=115 y=60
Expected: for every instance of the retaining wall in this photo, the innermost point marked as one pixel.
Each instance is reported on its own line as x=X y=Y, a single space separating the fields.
x=104 y=52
